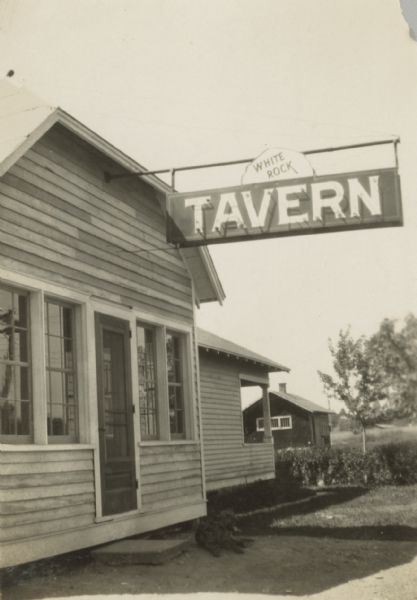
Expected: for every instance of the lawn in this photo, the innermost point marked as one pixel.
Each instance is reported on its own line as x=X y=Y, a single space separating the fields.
x=375 y=437
x=354 y=512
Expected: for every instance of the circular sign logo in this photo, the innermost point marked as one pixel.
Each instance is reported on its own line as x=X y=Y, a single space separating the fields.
x=277 y=163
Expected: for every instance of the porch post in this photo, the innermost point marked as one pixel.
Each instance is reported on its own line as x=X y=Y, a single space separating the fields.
x=266 y=414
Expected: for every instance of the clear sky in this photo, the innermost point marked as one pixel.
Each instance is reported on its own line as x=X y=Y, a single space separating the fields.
x=175 y=82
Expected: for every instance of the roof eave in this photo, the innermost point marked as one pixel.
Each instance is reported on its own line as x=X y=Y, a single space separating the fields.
x=271 y=367
x=28 y=142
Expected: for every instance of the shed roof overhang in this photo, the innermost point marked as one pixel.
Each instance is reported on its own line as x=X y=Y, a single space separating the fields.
x=217 y=345
x=25 y=118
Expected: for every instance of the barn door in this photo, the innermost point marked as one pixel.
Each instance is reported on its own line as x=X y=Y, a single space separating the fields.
x=115 y=411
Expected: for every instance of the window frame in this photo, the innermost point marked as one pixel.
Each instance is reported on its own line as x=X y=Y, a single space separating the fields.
x=144 y=435
x=37 y=291
x=65 y=439
x=161 y=328
x=174 y=435
x=16 y=438
x=277 y=426
x=84 y=305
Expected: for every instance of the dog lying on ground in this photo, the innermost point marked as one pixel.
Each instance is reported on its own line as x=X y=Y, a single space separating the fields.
x=218 y=532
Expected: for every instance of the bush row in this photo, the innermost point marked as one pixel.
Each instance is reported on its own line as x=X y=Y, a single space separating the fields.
x=394 y=463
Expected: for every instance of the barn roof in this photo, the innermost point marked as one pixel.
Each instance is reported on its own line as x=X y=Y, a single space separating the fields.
x=215 y=343
x=25 y=118
x=303 y=403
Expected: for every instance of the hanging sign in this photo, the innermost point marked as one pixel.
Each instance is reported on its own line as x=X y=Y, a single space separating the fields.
x=276 y=164
x=290 y=207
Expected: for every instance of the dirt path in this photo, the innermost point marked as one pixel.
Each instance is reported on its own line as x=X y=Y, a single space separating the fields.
x=303 y=567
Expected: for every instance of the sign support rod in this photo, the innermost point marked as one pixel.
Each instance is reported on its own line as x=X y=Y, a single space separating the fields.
x=108 y=177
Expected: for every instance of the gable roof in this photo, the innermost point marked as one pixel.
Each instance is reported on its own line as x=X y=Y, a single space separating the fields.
x=303 y=403
x=25 y=118
x=211 y=342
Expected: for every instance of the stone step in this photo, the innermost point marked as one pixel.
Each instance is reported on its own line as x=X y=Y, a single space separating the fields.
x=141 y=551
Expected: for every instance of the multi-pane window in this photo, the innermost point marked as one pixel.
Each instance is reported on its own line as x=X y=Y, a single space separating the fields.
x=175 y=385
x=15 y=389
x=163 y=388
x=148 y=401
x=61 y=381
x=276 y=423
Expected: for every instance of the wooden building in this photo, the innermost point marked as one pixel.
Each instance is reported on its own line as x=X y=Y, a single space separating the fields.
x=225 y=368
x=295 y=421
x=99 y=411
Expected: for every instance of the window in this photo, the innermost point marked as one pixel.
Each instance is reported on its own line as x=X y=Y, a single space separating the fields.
x=175 y=385
x=284 y=423
x=276 y=423
x=61 y=377
x=147 y=382
x=15 y=383
x=164 y=391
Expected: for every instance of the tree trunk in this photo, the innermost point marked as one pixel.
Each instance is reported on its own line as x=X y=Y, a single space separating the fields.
x=363 y=439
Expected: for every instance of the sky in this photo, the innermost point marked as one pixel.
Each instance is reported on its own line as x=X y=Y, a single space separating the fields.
x=182 y=82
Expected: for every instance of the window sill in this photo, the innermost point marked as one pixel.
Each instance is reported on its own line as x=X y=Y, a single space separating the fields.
x=260 y=443
x=44 y=447
x=169 y=443
x=119 y=517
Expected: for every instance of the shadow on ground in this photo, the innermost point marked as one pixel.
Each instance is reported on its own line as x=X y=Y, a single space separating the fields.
x=317 y=500
x=389 y=533
x=297 y=561
x=279 y=564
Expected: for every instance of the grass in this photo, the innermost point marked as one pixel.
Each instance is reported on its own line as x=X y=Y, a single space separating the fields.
x=355 y=512
x=374 y=437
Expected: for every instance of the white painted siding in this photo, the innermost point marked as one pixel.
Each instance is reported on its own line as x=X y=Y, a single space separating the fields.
x=228 y=461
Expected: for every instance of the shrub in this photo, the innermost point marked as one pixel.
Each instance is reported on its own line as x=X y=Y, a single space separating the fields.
x=394 y=463
x=401 y=461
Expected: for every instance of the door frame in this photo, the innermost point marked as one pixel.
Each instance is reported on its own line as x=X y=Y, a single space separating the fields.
x=125 y=314
x=134 y=314
x=105 y=323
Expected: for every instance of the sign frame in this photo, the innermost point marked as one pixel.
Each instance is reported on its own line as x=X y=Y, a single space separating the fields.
x=181 y=238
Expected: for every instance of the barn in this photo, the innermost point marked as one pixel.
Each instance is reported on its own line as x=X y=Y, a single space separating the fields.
x=226 y=368
x=295 y=421
x=100 y=418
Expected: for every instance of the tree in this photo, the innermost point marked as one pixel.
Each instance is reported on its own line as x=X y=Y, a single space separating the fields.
x=359 y=381
x=394 y=348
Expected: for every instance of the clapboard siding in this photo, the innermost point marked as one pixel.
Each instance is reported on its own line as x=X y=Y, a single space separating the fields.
x=45 y=492
x=226 y=457
x=81 y=204
x=170 y=475
x=39 y=504
x=61 y=221
x=68 y=241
